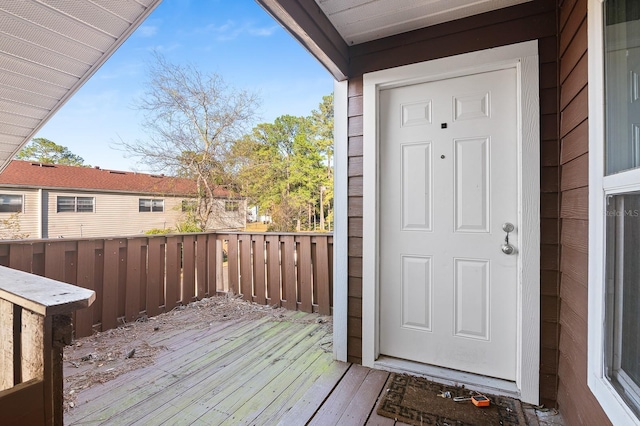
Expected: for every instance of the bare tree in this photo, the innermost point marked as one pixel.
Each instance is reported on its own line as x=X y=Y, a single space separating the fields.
x=192 y=120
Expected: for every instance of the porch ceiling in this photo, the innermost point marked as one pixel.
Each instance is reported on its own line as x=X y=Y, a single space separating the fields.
x=359 y=21
x=48 y=50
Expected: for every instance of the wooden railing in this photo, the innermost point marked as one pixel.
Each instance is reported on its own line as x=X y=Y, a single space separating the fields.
x=147 y=275
x=35 y=324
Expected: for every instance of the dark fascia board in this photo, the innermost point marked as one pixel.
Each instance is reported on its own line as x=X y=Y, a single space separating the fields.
x=305 y=21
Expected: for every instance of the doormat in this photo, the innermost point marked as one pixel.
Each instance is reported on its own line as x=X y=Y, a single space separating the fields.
x=415 y=400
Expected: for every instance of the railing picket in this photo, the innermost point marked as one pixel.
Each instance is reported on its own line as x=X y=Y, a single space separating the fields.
x=32 y=341
x=246 y=277
x=274 y=289
x=188 y=292
x=54 y=260
x=110 y=284
x=304 y=274
x=259 y=268
x=86 y=279
x=232 y=263
x=155 y=275
x=211 y=286
x=20 y=257
x=172 y=293
x=133 y=280
x=289 y=272
x=201 y=266
x=321 y=282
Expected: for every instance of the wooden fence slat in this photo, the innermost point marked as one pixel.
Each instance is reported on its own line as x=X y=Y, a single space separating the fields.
x=304 y=274
x=174 y=246
x=23 y=404
x=246 y=278
x=133 y=279
x=54 y=260
x=85 y=278
x=321 y=267
x=155 y=276
x=188 y=269
x=273 y=270
x=110 y=284
x=201 y=266
x=212 y=264
x=259 y=269
x=6 y=345
x=20 y=257
x=232 y=263
x=289 y=273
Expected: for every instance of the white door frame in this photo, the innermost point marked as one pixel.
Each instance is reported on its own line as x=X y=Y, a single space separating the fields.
x=524 y=58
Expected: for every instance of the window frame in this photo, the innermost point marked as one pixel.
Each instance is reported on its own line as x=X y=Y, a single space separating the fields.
x=152 y=205
x=235 y=203
x=600 y=186
x=75 y=204
x=13 y=195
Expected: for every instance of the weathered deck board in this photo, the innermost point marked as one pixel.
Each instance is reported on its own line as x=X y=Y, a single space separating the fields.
x=238 y=372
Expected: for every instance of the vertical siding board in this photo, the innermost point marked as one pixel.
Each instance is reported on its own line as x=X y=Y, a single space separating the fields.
x=172 y=292
x=132 y=288
x=246 y=276
x=321 y=266
x=110 y=284
x=259 y=269
x=232 y=263
x=155 y=275
x=273 y=270
x=188 y=269
x=289 y=272
x=201 y=266
x=86 y=273
x=305 y=273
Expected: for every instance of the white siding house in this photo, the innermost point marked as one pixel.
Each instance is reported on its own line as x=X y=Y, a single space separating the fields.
x=58 y=201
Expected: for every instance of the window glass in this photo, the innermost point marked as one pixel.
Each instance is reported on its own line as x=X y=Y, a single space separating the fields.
x=84 y=204
x=75 y=204
x=10 y=203
x=622 y=85
x=157 y=205
x=149 y=205
x=622 y=331
x=66 y=204
x=231 y=206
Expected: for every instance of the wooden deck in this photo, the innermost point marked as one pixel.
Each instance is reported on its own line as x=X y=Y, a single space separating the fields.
x=264 y=371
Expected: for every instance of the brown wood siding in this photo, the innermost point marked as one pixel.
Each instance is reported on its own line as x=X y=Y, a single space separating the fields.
x=533 y=20
x=576 y=402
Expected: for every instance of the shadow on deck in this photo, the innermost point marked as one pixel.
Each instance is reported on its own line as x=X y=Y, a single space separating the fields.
x=216 y=365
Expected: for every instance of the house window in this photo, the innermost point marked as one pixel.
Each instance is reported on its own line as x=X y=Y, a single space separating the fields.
x=614 y=350
x=189 y=206
x=231 y=206
x=10 y=203
x=150 y=205
x=75 y=204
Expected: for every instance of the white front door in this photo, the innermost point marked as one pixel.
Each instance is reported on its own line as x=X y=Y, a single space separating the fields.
x=448 y=183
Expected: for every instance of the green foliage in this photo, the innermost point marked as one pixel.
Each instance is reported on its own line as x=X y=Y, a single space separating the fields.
x=43 y=150
x=284 y=166
x=188 y=225
x=10 y=228
x=158 y=231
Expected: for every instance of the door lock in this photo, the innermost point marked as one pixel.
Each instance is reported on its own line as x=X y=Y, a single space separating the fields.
x=508 y=248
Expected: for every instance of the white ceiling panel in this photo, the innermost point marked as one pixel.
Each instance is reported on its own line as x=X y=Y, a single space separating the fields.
x=359 y=21
x=48 y=49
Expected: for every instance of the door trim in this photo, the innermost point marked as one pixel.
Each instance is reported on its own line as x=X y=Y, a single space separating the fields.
x=524 y=58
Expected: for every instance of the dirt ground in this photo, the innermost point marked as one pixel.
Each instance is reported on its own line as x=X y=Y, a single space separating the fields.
x=106 y=355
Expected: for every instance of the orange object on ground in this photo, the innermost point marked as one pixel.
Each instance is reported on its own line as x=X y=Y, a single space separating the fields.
x=480 y=401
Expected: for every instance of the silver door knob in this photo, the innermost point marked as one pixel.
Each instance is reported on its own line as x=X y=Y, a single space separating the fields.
x=508 y=249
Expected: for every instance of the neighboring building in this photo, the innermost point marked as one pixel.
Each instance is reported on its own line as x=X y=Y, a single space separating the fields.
x=53 y=201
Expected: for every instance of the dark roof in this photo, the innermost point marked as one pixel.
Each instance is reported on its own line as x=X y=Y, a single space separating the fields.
x=39 y=175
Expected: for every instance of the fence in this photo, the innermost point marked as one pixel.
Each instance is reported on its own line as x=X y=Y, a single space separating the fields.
x=148 y=275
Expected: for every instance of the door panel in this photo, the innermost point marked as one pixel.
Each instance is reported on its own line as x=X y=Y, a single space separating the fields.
x=448 y=181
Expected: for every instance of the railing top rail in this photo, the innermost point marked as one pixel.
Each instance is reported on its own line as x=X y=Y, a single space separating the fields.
x=42 y=295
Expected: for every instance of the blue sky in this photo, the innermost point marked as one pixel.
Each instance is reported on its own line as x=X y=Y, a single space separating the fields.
x=234 y=38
